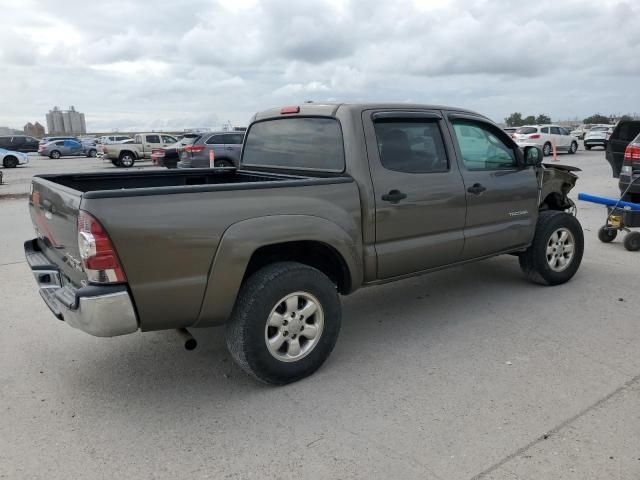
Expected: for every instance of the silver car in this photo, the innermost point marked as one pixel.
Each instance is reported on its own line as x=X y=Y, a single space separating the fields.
x=11 y=159
x=68 y=148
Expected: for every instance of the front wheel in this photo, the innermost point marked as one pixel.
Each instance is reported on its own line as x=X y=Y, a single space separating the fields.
x=285 y=322
x=556 y=251
x=574 y=147
x=92 y=153
x=222 y=163
x=10 y=162
x=587 y=147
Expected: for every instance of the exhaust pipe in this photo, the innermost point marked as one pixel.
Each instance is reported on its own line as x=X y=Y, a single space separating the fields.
x=190 y=343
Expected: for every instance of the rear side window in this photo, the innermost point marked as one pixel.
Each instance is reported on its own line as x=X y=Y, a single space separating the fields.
x=302 y=143
x=411 y=146
x=153 y=138
x=527 y=130
x=628 y=131
x=234 y=139
x=215 y=140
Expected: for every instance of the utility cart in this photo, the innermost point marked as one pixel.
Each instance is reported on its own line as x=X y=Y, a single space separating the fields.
x=621 y=216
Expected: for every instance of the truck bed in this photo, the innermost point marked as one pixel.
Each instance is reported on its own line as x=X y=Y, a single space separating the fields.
x=119 y=184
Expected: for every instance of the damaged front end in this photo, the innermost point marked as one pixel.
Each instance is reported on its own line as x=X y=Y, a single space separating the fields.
x=556 y=181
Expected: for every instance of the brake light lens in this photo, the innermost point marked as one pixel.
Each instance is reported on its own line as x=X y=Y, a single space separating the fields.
x=632 y=153
x=98 y=256
x=194 y=148
x=290 y=109
x=157 y=152
x=534 y=135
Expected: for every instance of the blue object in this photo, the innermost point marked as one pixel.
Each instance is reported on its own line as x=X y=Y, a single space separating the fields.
x=610 y=202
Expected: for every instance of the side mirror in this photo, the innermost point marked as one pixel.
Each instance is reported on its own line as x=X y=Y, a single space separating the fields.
x=532 y=156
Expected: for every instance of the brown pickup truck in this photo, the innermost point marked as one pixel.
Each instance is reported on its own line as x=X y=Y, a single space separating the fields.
x=327 y=199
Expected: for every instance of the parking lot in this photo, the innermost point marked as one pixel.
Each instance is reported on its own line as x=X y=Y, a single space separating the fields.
x=467 y=373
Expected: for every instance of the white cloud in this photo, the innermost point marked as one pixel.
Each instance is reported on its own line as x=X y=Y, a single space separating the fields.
x=128 y=63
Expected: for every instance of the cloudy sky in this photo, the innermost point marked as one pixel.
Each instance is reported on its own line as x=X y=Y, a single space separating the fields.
x=193 y=63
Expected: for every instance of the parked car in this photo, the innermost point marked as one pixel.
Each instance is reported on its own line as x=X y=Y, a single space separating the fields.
x=596 y=136
x=109 y=139
x=623 y=133
x=226 y=147
x=45 y=140
x=11 y=159
x=581 y=131
x=545 y=136
x=327 y=199
x=170 y=156
x=630 y=173
x=68 y=148
x=510 y=130
x=126 y=154
x=19 y=143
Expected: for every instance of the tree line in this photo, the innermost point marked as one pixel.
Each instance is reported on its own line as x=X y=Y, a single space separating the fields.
x=516 y=119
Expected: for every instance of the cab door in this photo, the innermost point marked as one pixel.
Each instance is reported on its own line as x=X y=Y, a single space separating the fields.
x=233 y=146
x=71 y=147
x=419 y=194
x=150 y=142
x=501 y=194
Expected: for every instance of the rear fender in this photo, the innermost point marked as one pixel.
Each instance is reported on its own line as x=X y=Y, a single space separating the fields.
x=242 y=239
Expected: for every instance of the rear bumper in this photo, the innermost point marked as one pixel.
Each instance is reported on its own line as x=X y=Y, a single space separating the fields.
x=624 y=184
x=595 y=142
x=102 y=311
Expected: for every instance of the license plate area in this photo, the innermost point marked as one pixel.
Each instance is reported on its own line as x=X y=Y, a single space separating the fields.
x=48 y=278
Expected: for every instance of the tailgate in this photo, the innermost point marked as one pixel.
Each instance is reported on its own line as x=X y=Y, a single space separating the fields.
x=54 y=213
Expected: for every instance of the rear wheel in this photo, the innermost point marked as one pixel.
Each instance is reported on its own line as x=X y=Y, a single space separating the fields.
x=632 y=241
x=556 y=251
x=285 y=322
x=126 y=160
x=10 y=162
x=222 y=163
x=587 y=147
x=92 y=153
x=607 y=234
x=546 y=149
x=55 y=154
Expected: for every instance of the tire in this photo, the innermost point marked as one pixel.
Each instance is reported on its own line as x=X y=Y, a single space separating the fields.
x=587 y=147
x=92 y=153
x=573 y=148
x=126 y=160
x=261 y=298
x=536 y=261
x=55 y=154
x=10 y=162
x=546 y=149
x=222 y=163
x=607 y=235
x=115 y=162
x=632 y=241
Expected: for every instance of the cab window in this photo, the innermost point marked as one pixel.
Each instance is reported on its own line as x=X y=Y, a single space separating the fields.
x=480 y=147
x=168 y=139
x=411 y=146
x=153 y=138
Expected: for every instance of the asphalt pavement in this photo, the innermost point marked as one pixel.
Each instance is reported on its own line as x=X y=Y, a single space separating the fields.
x=466 y=373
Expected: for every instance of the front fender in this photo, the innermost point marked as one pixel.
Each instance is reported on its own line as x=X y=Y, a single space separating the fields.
x=242 y=239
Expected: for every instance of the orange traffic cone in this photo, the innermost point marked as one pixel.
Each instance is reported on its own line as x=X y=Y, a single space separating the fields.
x=212 y=158
x=555 y=151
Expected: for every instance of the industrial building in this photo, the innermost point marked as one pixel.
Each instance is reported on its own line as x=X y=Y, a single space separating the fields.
x=66 y=122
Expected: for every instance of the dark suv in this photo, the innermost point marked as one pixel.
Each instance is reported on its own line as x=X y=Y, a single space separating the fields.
x=19 y=143
x=624 y=132
x=226 y=147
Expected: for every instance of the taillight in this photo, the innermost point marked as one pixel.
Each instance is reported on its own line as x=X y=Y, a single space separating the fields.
x=534 y=135
x=98 y=256
x=632 y=153
x=194 y=148
x=290 y=109
x=157 y=152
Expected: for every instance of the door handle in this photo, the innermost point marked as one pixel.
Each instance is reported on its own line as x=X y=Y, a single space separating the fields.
x=476 y=189
x=394 y=196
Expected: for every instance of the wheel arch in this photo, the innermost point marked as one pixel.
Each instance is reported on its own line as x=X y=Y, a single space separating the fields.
x=251 y=244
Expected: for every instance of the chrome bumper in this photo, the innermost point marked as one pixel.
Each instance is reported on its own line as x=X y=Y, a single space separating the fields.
x=102 y=311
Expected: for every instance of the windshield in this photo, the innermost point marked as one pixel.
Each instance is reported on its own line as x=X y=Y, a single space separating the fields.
x=300 y=143
x=527 y=130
